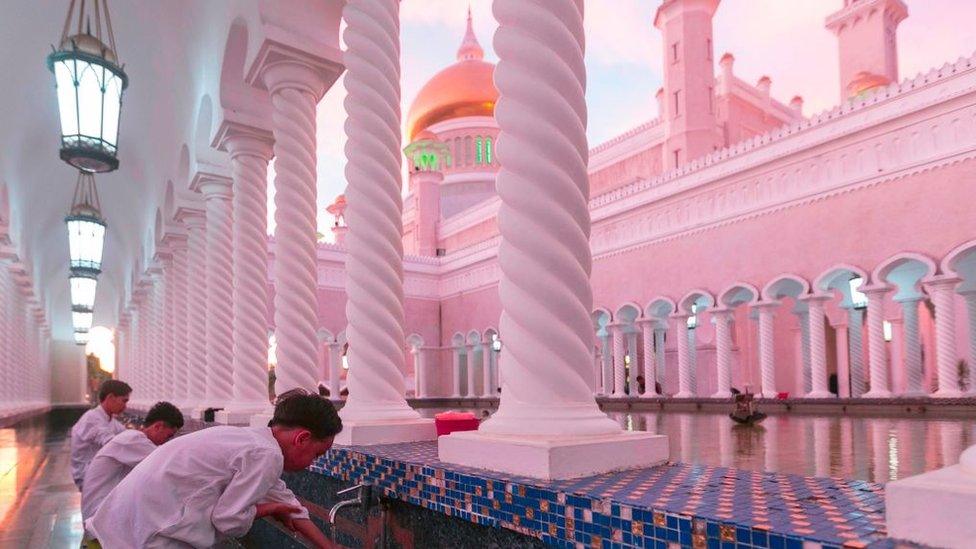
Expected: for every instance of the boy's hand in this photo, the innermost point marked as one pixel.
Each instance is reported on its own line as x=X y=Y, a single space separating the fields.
x=281 y=511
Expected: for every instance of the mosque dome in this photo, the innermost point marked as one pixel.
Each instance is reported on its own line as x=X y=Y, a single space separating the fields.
x=463 y=89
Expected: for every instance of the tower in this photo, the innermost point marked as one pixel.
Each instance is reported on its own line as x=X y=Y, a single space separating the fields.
x=866 y=37
x=689 y=79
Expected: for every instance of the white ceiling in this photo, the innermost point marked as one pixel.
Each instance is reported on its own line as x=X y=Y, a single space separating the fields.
x=172 y=52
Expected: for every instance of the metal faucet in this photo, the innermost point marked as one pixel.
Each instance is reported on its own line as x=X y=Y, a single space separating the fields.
x=362 y=499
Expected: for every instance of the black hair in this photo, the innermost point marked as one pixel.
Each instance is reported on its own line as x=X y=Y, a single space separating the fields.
x=307 y=411
x=165 y=412
x=113 y=387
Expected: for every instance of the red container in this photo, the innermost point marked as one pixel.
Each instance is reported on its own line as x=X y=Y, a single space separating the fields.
x=448 y=422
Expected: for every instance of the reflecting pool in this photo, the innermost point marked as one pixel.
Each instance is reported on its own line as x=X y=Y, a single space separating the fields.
x=876 y=449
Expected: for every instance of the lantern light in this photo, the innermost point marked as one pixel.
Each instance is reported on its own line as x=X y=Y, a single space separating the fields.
x=82 y=320
x=90 y=82
x=81 y=338
x=83 y=286
x=496 y=343
x=693 y=318
x=86 y=228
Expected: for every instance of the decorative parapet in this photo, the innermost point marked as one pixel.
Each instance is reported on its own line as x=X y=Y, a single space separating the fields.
x=819 y=125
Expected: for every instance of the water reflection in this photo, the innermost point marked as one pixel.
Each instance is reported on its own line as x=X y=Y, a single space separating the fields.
x=874 y=449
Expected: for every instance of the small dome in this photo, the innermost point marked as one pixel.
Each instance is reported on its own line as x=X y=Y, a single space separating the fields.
x=865 y=81
x=465 y=88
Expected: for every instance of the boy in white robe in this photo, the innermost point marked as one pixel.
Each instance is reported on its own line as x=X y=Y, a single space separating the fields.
x=212 y=484
x=97 y=426
x=126 y=450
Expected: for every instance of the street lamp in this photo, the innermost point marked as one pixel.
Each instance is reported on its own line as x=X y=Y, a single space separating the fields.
x=90 y=82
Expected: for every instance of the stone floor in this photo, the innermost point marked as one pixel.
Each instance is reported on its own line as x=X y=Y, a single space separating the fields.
x=40 y=506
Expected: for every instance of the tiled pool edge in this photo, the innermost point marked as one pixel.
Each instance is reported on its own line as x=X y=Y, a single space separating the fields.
x=563 y=517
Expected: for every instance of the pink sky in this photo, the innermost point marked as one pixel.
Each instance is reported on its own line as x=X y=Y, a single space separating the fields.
x=784 y=39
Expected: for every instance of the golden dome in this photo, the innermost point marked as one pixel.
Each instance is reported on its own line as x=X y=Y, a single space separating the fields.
x=463 y=89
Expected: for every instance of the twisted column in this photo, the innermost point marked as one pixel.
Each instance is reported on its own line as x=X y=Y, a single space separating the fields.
x=767 y=347
x=606 y=363
x=544 y=223
x=135 y=371
x=196 y=305
x=803 y=317
x=619 y=367
x=179 y=287
x=913 y=347
x=659 y=354
x=686 y=388
x=295 y=89
x=456 y=367
x=335 y=366
x=250 y=154
x=487 y=389
x=723 y=353
x=650 y=359
x=168 y=296
x=876 y=343
x=818 y=347
x=374 y=266
x=7 y=394
x=155 y=356
x=942 y=292
x=970 y=298
x=419 y=375
x=217 y=194
x=855 y=329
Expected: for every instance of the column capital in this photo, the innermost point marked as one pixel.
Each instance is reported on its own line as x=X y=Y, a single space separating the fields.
x=174 y=238
x=875 y=291
x=680 y=315
x=212 y=185
x=765 y=304
x=721 y=312
x=941 y=281
x=281 y=65
x=192 y=218
x=816 y=298
x=238 y=138
x=909 y=299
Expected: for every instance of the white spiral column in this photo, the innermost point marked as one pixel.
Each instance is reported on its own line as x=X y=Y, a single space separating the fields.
x=970 y=298
x=154 y=342
x=472 y=364
x=7 y=394
x=166 y=340
x=619 y=367
x=250 y=151
x=877 y=351
x=295 y=90
x=544 y=257
x=374 y=265
x=544 y=223
x=217 y=194
x=456 y=371
x=803 y=317
x=335 y=367
x=767 y=349
x=650 y=358
x=659 y=353
x=723 y=353
x=855 y=334
x=942 y=292
x=487 y=390
x=196 y=306
x=179 y=287
x=913 y=347
x=818 y=347
x=686 y=382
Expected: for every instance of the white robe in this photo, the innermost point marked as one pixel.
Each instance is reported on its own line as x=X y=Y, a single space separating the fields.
x=92 y=431
x=195 y=490
x=110 y=465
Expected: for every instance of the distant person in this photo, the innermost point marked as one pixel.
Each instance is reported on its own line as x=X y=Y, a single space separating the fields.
x=97 y=426
x=212 y=484
x=640 y=385
x=126 y=450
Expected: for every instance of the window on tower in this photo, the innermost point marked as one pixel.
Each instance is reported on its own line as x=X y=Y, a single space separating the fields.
x=479 y=151
x=488 y=151
x=677 y=103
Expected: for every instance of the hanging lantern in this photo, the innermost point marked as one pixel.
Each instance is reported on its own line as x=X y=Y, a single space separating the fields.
x=82 y=291
x=86 y=228
x=90 y=82
x=81 y=338
x=82 y=320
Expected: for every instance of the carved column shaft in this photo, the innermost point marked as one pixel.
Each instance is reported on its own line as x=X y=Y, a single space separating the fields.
x=217 y=194
x=196 y=304
x=877 y=350
x=942 y=292
x=818 y=347
x=619 y=366
x=723 y=352
x=855 y=331
x=913 y=347
x=686 y=387
x=650 y=362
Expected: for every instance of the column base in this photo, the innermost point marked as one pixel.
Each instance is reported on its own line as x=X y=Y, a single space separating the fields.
x=914 y=394
x=685 y=394
x=947 y=393
x=877 y=394
x=770 y=395
x=722 y=394
x=819 y=394
x=241 y=415
x=934 y=508
x=365 y=433
x=556 y=457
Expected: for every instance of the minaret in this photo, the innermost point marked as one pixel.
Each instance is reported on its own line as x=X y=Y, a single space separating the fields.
x=866 y=37
x=470 y=48
x=689 y=79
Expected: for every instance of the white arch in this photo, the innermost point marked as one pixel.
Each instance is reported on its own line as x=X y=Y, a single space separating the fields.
x=787 y=285
x=961 y=261
x=660 y=308
x=904 y=270
x=738 y=294
x=702 y=298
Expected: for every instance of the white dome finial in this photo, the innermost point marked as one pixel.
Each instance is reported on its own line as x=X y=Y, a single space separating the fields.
x=470 y=48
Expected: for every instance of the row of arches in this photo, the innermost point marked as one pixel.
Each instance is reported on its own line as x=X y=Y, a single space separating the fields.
x=850 y=332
